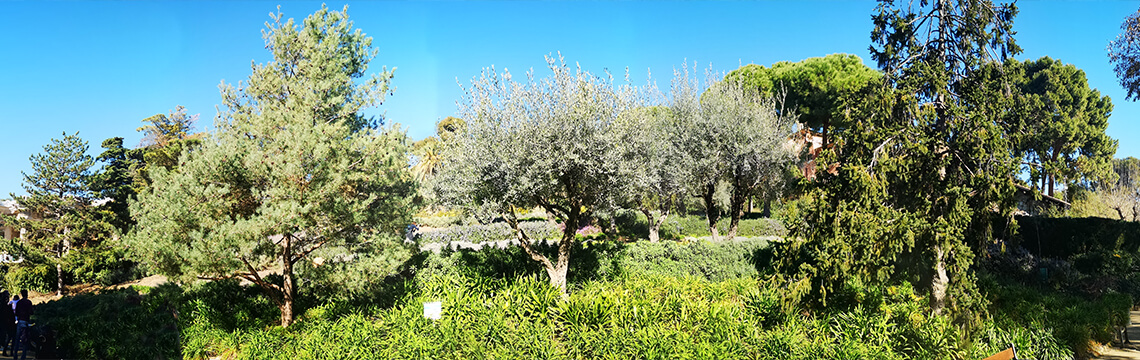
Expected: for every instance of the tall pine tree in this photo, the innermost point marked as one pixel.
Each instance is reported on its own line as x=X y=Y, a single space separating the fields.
x=58 y=194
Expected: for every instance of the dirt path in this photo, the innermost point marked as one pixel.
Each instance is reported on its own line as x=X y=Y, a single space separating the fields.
x=1129 y=350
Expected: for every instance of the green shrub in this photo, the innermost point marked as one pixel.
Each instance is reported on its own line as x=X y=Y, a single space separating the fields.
x=102 y=264
x=31 y=276
x=713 y=261
x=1071 y=321
x=643 y=316
x=119 y=324
x=604 y=260
x=661 y=300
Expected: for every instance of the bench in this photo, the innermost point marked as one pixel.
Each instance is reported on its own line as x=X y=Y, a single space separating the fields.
x=1007 y=354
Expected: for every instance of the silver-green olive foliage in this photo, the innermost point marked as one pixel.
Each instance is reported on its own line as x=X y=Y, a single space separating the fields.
x=732 y=133
x=295 y=178
x=539 y=142
x=657 y=178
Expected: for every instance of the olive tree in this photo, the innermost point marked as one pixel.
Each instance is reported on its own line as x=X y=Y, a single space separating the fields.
x=538 y=142
x=730 y=133
x=656 y=171
x=295 y=179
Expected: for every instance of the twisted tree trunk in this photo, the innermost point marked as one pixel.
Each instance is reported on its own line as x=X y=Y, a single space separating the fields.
x=712 y=214
x=654 y=224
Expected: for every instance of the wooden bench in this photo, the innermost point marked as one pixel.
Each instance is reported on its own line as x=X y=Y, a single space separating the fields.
x=1007 y=354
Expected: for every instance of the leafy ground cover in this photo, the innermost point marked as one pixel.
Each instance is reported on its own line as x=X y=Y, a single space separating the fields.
x=639 y=300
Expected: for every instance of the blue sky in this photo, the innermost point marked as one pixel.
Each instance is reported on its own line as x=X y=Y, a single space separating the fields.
x=99 y=68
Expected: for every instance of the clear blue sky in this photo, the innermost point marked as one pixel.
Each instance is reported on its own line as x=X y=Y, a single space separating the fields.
x=99 y=68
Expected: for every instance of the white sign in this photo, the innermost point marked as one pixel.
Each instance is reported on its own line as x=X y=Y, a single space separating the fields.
x=433 y=310
x=5 y=258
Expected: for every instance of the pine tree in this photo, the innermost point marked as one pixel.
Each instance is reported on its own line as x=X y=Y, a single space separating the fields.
x=295 y=178
x=58 y=194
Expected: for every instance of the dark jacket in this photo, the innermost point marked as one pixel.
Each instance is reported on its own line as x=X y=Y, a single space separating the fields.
x=24 y=310
x=7 y=317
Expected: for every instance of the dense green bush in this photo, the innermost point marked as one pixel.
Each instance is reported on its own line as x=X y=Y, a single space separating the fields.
x=637 y=317
x=1073 y=321
x=31 y=276
x=1089 y=267
x=1065 y=237
x=119 y=324
x=713 y=261
x=101 y=264
x=643 y=316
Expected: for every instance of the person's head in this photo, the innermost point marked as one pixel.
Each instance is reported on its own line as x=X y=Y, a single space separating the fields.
x=15 y=297
x=24 y=293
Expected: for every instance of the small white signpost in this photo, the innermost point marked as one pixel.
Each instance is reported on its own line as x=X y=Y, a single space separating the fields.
x=433 y=310
x=9 y=259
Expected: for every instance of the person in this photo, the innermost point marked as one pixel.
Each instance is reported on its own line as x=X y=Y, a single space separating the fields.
x=10 y=343
x=23 y=315
x=6 y=318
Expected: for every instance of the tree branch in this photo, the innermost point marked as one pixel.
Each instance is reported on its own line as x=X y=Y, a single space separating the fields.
x=265 y=286
x=524 y=241
x=306 y=252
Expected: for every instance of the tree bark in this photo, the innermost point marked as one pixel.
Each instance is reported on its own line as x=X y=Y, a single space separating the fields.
x=288 y=287
x=59 y=279
x=740 y=194
x=558 y=269
x=558 y=272
x=712 y=214
x=654 y=224
x=65 y=248
x=1051 y=185
x=939 y=282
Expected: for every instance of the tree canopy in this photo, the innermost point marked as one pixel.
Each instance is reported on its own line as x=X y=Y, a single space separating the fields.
x=59 y=200
x=820 y=91
x=925 y=166
x=1059 y=124
x=539 y=142
x=1124 y=54
x=295 y=179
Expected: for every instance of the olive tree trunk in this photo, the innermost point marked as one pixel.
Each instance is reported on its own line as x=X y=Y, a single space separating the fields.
x=654 y=223
x=712 y=214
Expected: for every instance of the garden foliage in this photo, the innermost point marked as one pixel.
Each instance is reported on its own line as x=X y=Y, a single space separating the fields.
x=295 y=177
x=643 y=300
